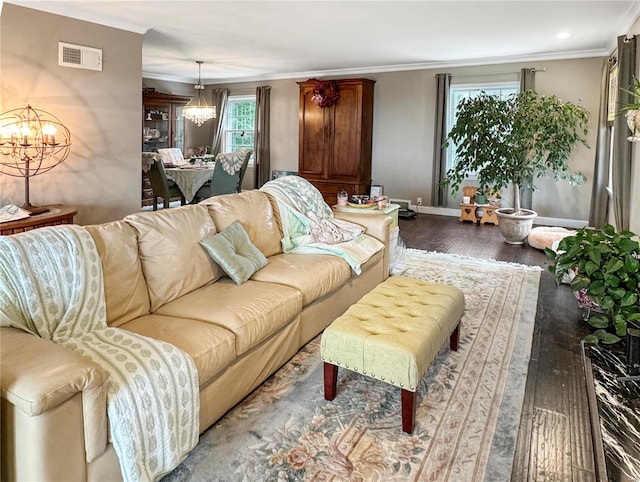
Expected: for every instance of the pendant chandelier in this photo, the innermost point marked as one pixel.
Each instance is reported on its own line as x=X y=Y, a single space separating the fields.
x=197 y=109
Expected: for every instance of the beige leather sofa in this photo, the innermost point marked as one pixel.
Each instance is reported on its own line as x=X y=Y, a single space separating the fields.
x=160 y=283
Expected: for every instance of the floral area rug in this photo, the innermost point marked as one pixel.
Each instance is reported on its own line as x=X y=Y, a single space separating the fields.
x=469 y=402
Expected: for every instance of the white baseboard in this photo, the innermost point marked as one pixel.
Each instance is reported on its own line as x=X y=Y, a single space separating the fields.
x=539 y=221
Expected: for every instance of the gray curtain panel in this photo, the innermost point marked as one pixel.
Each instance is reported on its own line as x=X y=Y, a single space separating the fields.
x=262 y=151
x=527 y=82
x=621 y=171
x=599 y=194
x=439 y=193
x=219 y=100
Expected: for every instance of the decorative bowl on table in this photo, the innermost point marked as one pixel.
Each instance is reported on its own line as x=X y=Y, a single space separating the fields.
x=361 y=201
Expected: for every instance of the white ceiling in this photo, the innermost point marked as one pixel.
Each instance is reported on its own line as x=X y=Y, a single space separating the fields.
x=251 y=40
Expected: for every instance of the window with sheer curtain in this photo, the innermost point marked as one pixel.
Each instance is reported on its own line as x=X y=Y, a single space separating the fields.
x=239 y=124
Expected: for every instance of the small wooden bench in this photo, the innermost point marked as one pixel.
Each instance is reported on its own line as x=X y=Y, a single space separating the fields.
x=393 y=334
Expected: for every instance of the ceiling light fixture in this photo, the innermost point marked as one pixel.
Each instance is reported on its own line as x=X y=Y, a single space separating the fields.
x=197 y=109
x=563 y=35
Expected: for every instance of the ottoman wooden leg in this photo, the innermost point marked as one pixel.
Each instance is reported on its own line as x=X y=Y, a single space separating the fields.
x=330 y=380
x=455 y=337
x=408 y=410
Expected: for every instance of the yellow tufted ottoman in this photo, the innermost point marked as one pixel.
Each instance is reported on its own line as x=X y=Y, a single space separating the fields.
x=393 y=334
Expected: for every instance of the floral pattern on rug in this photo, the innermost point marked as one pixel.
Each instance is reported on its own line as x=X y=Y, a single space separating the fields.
x=286 y=431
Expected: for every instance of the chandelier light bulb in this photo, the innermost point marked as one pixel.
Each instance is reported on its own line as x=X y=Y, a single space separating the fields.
x=197 y=110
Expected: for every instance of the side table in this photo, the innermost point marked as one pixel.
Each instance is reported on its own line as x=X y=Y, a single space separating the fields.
x=57 y=214
x=468 y=212
x=390 y=210
x=489 y=214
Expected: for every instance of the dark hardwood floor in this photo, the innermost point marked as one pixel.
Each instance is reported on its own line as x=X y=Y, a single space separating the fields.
x=554 y=440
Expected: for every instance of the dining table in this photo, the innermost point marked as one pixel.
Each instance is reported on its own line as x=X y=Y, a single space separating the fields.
x=190 y=178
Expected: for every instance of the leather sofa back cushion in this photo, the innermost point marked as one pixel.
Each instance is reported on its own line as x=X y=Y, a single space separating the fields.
x=173 y=262
x=125 y=289
x=254 y=211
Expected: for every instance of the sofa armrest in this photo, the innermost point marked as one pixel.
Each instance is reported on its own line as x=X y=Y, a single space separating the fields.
x=38 y=376
x=378 y=226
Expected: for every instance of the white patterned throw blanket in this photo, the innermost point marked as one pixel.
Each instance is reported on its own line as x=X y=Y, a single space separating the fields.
x=309 y=226
x=51 y=285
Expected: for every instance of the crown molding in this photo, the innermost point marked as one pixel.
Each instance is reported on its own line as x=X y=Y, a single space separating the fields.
x=433 y=65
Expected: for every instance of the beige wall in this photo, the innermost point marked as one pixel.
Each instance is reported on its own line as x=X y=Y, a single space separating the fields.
x=102 y=110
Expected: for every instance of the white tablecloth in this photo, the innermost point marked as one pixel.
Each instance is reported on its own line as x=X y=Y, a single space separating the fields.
x=190 y=180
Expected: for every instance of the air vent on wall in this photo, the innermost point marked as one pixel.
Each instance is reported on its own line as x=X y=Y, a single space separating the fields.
x=79 y=57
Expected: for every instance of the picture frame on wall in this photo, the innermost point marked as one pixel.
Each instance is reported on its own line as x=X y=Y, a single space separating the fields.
x=613 y=92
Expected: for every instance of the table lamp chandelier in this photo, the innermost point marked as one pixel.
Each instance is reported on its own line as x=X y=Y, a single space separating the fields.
x=32 y=142
x=197 y=109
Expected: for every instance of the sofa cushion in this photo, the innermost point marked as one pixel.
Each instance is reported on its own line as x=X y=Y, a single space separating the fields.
x=173 y=262
x=212 y=348
x=255 y=212
x=234 y=252
x=314 y=275
x=252 y=311
x=125 y=290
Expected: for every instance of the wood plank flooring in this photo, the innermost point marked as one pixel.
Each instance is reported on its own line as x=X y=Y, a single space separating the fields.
x=554 y=440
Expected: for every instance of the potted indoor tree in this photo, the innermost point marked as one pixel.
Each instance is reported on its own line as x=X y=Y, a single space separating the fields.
x=513 y=141
x=606 y=265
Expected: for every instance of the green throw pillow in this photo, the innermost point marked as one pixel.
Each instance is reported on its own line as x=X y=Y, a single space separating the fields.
x=234 y=252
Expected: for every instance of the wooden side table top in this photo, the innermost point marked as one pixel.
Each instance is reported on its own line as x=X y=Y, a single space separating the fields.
x=57 y=214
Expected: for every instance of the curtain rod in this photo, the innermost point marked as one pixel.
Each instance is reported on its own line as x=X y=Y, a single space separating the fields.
x=544 y=69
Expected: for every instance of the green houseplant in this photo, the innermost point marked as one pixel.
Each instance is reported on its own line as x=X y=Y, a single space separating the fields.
x=632 y=111
x=607 y=270
x=513 y=141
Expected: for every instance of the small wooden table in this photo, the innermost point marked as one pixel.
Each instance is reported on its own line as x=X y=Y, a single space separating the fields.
x=57 y=214
x=489 y=214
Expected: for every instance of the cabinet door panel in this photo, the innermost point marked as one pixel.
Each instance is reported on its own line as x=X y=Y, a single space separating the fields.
x=345 y=158
x=313 y=129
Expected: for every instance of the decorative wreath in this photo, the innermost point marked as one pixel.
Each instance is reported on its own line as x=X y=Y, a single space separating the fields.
x=325 y=94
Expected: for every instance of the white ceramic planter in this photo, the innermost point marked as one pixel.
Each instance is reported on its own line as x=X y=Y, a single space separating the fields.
x=633 y=121
x=515 y=227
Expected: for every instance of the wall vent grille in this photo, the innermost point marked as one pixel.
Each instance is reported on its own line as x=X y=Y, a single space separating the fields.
x=79 y=57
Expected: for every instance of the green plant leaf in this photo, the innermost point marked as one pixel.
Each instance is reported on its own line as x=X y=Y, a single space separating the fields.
x=595 y=288
x=606 y=303
x=595 y=256
x=611 y=280
x=627 y=246
x=613 y=265
x=598 y=321
x=609 y=338
x=579 y=282
x=621 y=326
x=617 y=293
x=591 y=339
x=591 y=267
x=631 y=264
x=629 y=299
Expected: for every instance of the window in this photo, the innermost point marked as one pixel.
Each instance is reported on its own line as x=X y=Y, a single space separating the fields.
x=239 y=123
x=459 y=92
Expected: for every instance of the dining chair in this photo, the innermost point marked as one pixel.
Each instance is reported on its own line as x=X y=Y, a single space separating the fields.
x=245 y=163
x=161 y=185
x=222 y=182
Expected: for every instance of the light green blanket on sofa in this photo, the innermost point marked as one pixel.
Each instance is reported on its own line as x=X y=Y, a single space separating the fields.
x=309 y=226
x=51 y=285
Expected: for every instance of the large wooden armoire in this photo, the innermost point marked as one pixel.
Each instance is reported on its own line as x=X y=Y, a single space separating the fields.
x=335 y=141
